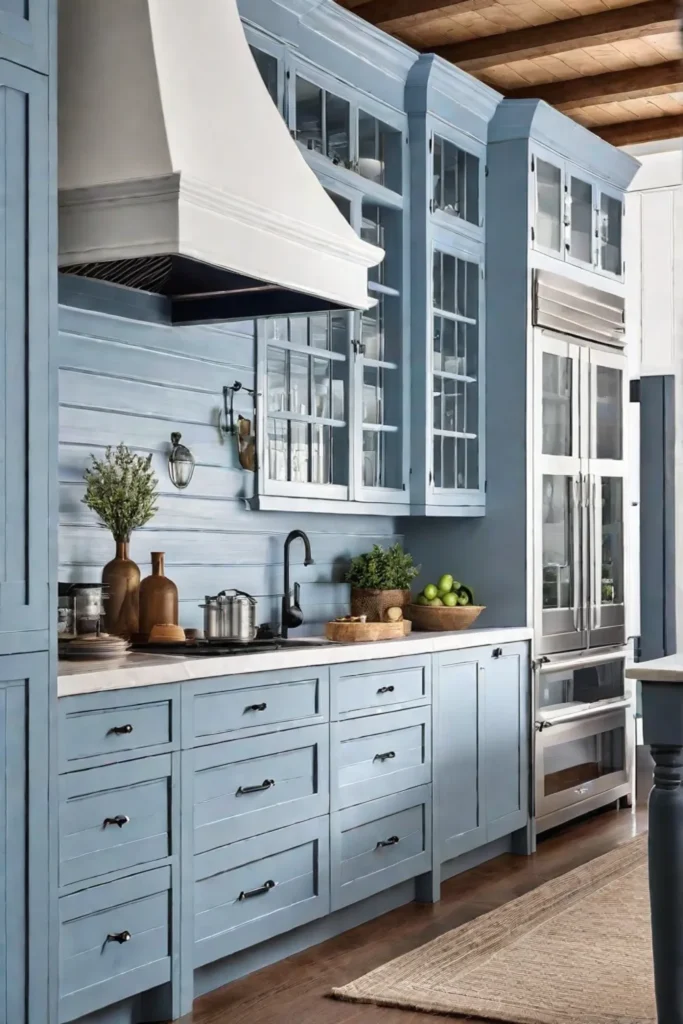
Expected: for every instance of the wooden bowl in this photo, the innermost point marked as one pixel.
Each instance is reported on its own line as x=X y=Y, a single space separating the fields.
x=167 y=633
x=433 y=618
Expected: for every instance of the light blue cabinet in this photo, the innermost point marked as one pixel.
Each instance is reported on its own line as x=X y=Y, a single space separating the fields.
x=25 y=374
x=25 y=32
x=449 y=114
x=24 y=696
x=481 y=720
x=206 y=818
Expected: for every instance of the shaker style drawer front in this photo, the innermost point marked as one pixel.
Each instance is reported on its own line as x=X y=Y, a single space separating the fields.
x=111 y=730
x=245 y=787
x=374 y=757
x=114 y=942
x=377 y=685
x=252 y=890
x=379 y=844
x=114 y=818
x=258 y=703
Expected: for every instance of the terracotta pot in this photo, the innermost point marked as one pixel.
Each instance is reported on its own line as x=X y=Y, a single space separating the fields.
x=374 y=603
x=158 y=598
x=121 y=577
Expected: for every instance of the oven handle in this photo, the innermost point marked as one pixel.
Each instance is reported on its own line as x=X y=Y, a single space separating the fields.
x=582 y=662
x=578 y=716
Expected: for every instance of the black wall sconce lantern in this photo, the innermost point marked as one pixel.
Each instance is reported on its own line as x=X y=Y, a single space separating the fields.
x=180 y=463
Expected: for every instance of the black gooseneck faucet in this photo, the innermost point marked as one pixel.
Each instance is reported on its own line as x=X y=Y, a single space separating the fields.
x=292 y=614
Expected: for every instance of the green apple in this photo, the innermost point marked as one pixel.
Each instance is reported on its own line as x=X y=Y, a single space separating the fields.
x=463 y=599
x=421 y=599
x=430 y=591
x=450 y=600
x=445 y=584
x=436 y=602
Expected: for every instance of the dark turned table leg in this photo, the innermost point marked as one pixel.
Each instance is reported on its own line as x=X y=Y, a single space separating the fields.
x=666 y=881
x=663 y=731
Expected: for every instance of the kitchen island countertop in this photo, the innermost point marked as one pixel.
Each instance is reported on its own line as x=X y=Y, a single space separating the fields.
x=659 y=670
x=77 y=677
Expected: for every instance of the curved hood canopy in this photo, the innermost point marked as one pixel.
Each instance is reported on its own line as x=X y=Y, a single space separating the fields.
x=178 y=175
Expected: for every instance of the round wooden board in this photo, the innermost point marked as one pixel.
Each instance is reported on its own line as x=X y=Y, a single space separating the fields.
x=360 y=632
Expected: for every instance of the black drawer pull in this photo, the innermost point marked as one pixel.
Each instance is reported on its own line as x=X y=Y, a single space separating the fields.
x=256 y=707
x=389 y=756
x=120 y=937
x=386 y=689
x=497 y=652
x=261 y=891
x=266 y=784
x=120 y=820
x=391 y=841
x=121 y=730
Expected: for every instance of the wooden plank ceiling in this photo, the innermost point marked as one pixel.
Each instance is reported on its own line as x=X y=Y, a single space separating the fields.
x=613 y=65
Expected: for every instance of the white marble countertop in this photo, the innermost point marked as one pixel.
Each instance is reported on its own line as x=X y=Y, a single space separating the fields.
x=661 y=670
x=152 y=669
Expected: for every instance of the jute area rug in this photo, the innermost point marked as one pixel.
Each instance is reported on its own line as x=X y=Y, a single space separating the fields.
x=576 y=950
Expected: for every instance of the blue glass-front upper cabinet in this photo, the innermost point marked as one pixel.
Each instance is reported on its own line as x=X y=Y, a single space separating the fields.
x=449 y=114
x=333 y=394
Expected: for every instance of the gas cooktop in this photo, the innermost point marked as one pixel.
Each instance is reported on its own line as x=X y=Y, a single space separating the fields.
x=225 y=648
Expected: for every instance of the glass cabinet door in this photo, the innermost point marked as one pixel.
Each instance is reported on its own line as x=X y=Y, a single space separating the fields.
x=610 y=214
x=306 y=418
x=455 y=374
x=455 y=181
x=580 y=220
x=323 y=121
x=379 y=356
x=607 y=391
x=549 y=213
x=379 y=152
x=559 y=514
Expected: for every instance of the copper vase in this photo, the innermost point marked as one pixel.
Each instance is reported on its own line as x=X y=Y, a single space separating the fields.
x=158 y=598
x=121 y=577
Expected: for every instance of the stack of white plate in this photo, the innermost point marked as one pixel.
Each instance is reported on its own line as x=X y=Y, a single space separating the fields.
x=100 y=646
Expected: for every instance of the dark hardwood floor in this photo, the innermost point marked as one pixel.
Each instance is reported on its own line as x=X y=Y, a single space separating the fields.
x=295 y=990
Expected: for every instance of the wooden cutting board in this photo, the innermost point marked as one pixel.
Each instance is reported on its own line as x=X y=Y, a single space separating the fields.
x=366 y=632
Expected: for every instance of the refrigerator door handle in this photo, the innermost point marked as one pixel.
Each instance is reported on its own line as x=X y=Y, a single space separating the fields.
x=576 y=552
x=596 y=575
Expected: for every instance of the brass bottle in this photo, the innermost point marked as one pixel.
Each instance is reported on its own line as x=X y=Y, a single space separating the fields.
x=158 y=597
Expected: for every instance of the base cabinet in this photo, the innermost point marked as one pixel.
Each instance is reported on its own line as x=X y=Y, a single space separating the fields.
x=481 y=743
x=202 y=820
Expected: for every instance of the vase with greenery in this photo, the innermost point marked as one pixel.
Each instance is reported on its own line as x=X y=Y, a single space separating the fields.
x=121 y=491
x=380 y=579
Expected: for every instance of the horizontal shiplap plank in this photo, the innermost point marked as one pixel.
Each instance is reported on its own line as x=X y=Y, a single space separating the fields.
x=92 y=545
x=182 y=512
x=231 y=344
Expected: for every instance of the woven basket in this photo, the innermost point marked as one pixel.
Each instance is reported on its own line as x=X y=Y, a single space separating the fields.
x=425 y=617
x=375 y=603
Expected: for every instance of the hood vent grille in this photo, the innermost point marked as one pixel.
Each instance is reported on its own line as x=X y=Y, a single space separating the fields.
x=147 y=273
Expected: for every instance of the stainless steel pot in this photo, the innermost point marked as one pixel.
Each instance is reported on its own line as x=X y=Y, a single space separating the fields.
x=228 y=617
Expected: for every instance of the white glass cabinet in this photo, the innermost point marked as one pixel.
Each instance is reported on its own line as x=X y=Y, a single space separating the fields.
x=575 y=217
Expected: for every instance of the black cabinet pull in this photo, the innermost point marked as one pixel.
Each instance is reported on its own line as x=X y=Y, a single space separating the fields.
x=120 y=937
x=497 y=652
x=120 y=820
x=266 y=784
x=391 y=841
x=261 y=891
x=389 y=756
x=386 y=689
x=256 y=707
x=121 y=730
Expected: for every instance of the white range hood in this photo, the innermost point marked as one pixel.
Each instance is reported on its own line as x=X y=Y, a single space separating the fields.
x=177 y=174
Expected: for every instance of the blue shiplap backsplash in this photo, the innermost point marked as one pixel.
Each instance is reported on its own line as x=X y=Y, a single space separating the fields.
x=135 y=381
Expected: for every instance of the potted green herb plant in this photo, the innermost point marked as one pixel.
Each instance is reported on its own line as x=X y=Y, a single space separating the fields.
x=380 y=579
x=121 y=490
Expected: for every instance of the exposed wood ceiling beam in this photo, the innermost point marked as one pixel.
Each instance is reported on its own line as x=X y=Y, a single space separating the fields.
x=610 y=87
x=651 y=129
x=384 y=12
x=571 y=33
